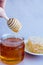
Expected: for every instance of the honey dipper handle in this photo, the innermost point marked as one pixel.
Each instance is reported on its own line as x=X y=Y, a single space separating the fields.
x=3 y=14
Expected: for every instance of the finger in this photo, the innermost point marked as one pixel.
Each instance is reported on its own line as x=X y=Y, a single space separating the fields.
x=2 y=3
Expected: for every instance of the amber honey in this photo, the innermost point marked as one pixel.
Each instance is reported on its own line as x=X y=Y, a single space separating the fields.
x=12 y=50
x=0 y=49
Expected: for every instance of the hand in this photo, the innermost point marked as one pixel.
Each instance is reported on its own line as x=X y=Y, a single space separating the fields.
x=2 y=3
x=2 y=6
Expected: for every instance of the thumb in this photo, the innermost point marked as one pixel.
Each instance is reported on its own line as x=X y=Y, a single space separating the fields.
x=2 y=3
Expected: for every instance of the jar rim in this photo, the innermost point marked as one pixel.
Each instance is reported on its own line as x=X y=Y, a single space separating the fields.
x=5 y=36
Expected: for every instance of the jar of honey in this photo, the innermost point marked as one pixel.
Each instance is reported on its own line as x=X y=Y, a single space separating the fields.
x=12 y=49
x=0 y=49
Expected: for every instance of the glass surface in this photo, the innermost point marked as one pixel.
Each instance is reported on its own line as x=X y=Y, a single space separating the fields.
x=0 y=47
x=12 y=49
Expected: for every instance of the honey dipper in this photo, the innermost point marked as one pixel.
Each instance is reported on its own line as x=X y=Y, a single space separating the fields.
x=13 y=23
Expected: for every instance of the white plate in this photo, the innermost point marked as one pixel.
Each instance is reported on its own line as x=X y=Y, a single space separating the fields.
x=31 y=52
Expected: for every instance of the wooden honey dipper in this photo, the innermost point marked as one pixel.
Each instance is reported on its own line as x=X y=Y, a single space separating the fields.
x=13 y=23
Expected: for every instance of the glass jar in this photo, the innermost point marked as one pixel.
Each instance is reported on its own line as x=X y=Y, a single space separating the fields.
x=12 y=49
x=0 y=48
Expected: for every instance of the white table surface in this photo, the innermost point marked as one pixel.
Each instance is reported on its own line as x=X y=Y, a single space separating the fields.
x=30 y=13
